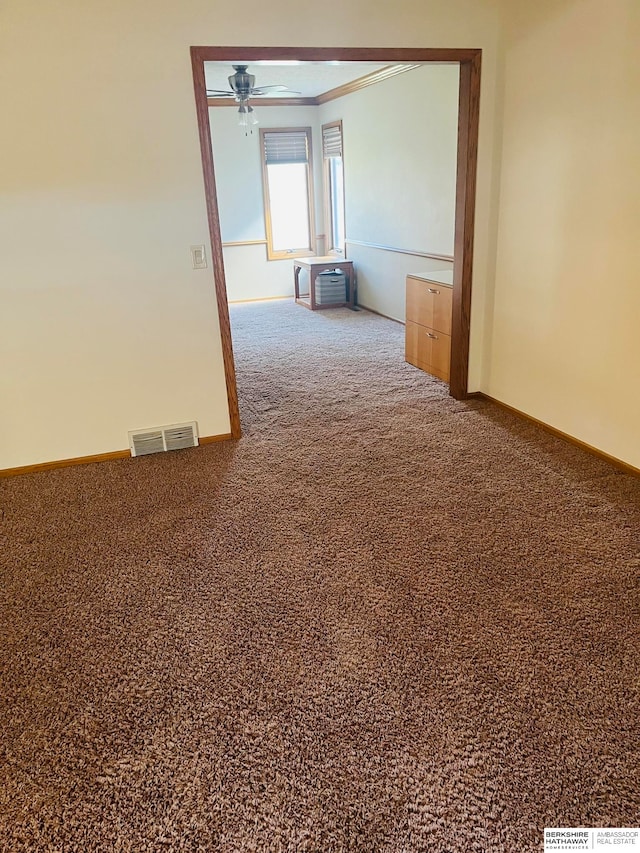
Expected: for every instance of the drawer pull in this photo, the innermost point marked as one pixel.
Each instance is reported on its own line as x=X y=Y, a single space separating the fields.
x=429 y=335
x=433 y=290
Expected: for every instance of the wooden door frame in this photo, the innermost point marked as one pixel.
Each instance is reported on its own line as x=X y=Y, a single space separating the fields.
x=469 y=60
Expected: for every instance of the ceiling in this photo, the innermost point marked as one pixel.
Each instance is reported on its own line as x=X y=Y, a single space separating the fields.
x=309 y=78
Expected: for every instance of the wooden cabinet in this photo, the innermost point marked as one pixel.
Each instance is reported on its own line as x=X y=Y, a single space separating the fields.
x=428 y=328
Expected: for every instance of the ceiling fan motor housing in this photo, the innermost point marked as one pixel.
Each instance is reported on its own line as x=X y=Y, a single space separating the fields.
x=241 y=82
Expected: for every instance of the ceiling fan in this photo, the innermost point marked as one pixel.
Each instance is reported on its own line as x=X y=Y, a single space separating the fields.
x=242 y=89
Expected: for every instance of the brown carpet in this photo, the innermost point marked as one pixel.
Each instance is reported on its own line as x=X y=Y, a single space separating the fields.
x=382 y=621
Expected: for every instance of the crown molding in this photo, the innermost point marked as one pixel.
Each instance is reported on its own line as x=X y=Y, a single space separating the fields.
x=330 y=95
x=363 y=82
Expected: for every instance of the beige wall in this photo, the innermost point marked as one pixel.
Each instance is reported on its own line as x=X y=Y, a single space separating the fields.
x=565 y=346
x=104 y=325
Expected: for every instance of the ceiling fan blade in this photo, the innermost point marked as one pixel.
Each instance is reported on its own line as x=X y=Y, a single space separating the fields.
x=265 y=90
x=220 y=93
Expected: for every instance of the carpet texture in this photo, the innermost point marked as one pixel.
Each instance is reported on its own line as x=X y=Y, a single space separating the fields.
x=384 y=620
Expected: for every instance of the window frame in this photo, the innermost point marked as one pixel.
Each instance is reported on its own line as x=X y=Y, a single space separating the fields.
x=294 y=251
x=328 y=207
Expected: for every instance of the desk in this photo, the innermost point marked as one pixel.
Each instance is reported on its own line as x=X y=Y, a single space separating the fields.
x=317 y=265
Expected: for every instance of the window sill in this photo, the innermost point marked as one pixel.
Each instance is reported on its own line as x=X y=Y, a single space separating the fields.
x=292 y=255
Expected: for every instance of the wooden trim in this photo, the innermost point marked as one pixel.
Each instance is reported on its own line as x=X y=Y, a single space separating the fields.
x=415 y=252
x=88 y=460
x=606 y=457
x=212 y=439
x=468 y=119
x=362 y=82
x=259 y=299
x=258 y=102
x=217 y=259
x=386 y=55
x=244 y=243
x=468 y=122
x=65 y=463
x=327 y=198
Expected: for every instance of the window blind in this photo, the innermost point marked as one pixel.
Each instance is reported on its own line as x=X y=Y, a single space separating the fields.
x=288 y=146
x=332 y=141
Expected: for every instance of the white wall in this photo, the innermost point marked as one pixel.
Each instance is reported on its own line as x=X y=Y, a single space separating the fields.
x=381 y=277
x=237 y=162
x=400 y=147
x=400 y=142
x=249 y=275
x=104 y=325
x=566 y=343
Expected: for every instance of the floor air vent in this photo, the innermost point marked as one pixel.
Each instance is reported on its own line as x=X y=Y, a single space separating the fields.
x=159 y=439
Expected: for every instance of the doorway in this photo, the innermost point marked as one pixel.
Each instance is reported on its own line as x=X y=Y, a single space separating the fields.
x=469 y=61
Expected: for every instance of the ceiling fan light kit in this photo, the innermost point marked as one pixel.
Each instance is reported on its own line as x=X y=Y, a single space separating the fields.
x=246 y=115
x=242 y=89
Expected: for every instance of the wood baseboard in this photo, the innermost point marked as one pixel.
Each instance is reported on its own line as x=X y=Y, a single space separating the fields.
x=65 y=463
x=612 y=460
x=211 y=439
x=259 y=299
x=87 y=460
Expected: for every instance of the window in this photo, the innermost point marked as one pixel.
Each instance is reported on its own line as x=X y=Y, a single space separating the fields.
x=333 y=186
x=288 y=191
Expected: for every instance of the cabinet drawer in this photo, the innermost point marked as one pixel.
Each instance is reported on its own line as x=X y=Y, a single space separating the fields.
x=417 y=347
x=429 y=304
x=440 y=354
x=428 y=349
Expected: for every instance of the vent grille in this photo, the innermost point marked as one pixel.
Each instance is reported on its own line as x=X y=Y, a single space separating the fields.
x=160 y=439
x=146 y=442
x=176 y=438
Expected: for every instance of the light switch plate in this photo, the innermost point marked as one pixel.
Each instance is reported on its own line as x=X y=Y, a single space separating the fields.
x=198 y=257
